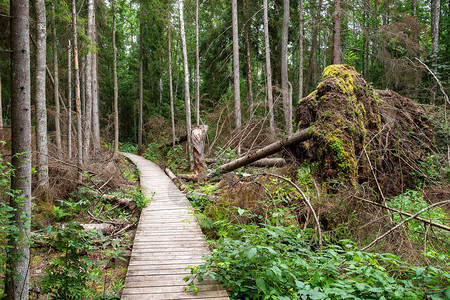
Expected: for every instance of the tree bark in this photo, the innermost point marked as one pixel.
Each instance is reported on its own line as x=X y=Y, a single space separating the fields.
x=366 y=40
x=198 y=143
x=197 y=68
x=336 y=56
x=88 y=83
x=294 y=139
x=313 y=49
x=18 y=256
x=1 y=112
x=268 y=71
x=69 y=100
x=237 y=89
x=249 y=58
x=141 y=89
x=95 y=104
x=56 y=86
x=77 y=91
x=41 y=106
x=187 y=97
x=169 y=41
x=116 y=89
x=287 y=105
x=300 y=52
x=435 y=15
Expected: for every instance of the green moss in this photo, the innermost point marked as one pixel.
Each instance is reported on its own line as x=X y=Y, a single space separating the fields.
x=345 y=77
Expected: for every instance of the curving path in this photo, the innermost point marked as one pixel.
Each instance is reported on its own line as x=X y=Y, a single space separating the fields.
x=168 y=239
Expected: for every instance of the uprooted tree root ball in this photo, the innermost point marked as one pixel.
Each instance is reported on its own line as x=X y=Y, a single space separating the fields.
x=352 y=122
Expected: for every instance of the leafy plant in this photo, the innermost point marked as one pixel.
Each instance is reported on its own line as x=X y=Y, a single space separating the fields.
x=136 y=194
x=152 y=153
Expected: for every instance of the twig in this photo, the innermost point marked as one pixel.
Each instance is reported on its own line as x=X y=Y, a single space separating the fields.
x=316 y=219
x=102 y=221
x=401 y=223
x=122 y=231
x=429 y=222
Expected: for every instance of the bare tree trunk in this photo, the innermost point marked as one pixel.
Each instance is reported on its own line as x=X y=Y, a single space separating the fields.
x=116 y=89
x=41 y=106
x=77 y=90
x=197 y=68
x=69 y=100
x=95 y=103
x=18 y=255
x=89 y=97
x=268 y=70
x=366 y=17
x=56 y=86
x=249 y=60
x=237 y=88
x=172 y=112
x=300 y=52
x=198 y=142
x=287 y=105
x=187 y=97
x=83 y=86
x=141 y=89
x=312 y=52
x=336 y=56
x=384 y=16
x=435 y=14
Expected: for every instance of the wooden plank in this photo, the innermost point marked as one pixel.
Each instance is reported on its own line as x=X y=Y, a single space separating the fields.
x=167 y=241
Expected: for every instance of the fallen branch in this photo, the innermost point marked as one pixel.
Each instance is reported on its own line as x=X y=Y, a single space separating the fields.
x=130 y=203
x=193 y=177
x=404 y=213
x=404 y=221
x=213 y=198
x=253 y=156
x=123 y=230
x=105 y=228
x=102 y=221
x=316 y=219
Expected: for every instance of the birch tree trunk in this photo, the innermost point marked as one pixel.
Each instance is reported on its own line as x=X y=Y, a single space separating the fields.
x=197 y=68
x=287 y=105
x=77 y=91
x=95 y=103
x=56 y=86
x=169 y=41
x=69 y=100
x=268 y=70
x=88 y=83
x=237 y=88
x=116 y=89
x=41 y=106
x=141 y=89
x=187 y=97
x=18 y=256
x=300 y=52
x=336 y=56
x=435 y=15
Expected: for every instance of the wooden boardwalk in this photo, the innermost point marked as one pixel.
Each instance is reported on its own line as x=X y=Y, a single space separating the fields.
x=168 y=239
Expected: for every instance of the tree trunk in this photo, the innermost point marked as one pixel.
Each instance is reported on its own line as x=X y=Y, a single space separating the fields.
x=187 y=97
x=300 y=52
x=249 y=59
x=237 y=89
x=366 y=40
x=41 y=106
x=287 y=105
x=336 y=56
x=294 y=139
x=141 y=89
x=198 y=143
x=169 y=41
x=268 y=70
x=89 y=96
x=197 y=68
x=69 y=100
x=77 y=91
x=313 y=49
x=18 y=255
x=95 y=99
x=116 y=89
x=1 y=112
x=435 y=14
x=56 y=86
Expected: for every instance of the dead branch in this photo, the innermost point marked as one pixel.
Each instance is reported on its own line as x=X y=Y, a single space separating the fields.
x=405 y=213
x=316 y=219
x=404 y=221
x=103 y=221
x=123 y=230
x=266 y=151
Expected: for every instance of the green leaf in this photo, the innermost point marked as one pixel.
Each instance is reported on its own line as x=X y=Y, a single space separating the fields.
x=261 y=284
x=241 y=211
x=251 y=253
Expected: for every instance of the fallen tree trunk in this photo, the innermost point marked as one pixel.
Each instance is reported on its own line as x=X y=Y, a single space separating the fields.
x=175 y=179
x=269 y=162
x=105 y=228
x=253 y=156
x=201 y=177
x=130 y=203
